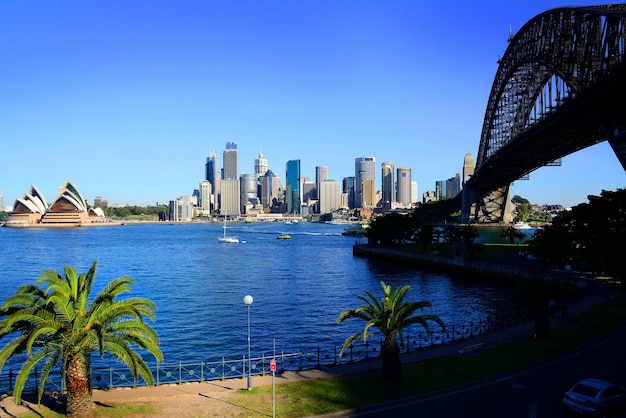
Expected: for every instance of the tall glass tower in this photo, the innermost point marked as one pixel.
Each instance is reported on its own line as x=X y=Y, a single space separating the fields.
x=364 y=169
x=231 y=169
x=404 y=186
x=293 y=195
x=388 y=184
x=213 y=176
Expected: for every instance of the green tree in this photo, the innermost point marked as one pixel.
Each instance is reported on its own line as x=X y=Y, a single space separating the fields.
x=512 y=234
x=390 y=315
x=54 y=323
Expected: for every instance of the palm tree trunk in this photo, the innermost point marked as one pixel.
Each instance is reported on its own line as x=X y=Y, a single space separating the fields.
x=77 y=382
x=390 y=353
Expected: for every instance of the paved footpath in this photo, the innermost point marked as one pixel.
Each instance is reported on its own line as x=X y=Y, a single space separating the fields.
x=217 y=389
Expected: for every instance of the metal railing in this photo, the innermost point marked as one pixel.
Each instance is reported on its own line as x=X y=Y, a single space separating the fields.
x=236 y=368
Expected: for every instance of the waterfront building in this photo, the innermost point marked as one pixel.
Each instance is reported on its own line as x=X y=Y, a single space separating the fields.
x=212 y=175
x=230 y=197
x=69 y=208
x=404 y=186
x=248 y=190
x=309 y=192
x=330 y=196
x=181 y=209
x=204 y=198
x=468 y=167
x=231 y=161
x=293 y=195
x=364 y=169
x=388 y=186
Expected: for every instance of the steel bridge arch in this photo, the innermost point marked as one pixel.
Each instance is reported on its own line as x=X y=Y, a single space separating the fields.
x=557 y=59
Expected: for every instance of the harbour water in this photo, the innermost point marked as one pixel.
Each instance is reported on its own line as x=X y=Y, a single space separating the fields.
x=299 y=286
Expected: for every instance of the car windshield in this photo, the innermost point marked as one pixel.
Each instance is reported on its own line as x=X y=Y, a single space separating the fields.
x=585 y=390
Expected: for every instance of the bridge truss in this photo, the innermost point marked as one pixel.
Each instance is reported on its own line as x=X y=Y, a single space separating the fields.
x=559 y=88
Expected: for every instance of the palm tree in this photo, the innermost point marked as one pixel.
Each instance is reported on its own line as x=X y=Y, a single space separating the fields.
x=57 y=325
x=391 y=315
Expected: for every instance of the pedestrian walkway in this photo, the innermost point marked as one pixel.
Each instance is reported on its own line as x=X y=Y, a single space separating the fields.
x=602 y=293
x=215 y=390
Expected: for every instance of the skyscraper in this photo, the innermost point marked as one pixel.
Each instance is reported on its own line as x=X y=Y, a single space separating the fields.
x=321 y=174
x=388 y=185
x=260 y=166
x=404 y=186
x=230 y=197
x=270 y=184
x=231 y=169
x=248 y=190
x=468 y=167
x=364 y=169
x=330 y=196
x=213 y=177
x=293 y=196
x=204 y=201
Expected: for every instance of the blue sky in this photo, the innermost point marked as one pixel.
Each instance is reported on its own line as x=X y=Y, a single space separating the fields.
x=127 y=98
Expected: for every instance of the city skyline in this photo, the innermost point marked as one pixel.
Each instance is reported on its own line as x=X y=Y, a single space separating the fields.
x=128 y=100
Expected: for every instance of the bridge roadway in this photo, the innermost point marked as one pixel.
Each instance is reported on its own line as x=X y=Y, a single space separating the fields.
x=574 y=125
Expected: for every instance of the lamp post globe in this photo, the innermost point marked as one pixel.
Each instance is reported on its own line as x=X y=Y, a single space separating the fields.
x=248 y=301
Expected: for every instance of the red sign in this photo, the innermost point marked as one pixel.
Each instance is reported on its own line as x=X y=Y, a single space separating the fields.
x=272 y=365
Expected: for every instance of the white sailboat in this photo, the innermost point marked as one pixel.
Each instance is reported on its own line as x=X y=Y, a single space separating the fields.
x=228 y=239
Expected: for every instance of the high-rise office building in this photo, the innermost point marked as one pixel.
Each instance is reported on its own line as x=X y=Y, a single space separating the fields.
x=231 y=168
x=293 y=196
x=404 y=186
x=321 y=174
x=364 y=169
x=348 y=190
x=453 y=186
x=388 y=185
x=248 y=190
x=230 y=197
x=468 y=167
x=414 y=194
x=368 y=193
x=213 y=176
x=330 y=196
x=204 y=194
x=260 y=166
x=270 y=186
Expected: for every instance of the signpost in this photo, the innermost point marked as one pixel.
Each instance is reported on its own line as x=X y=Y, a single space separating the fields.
x=273 y=370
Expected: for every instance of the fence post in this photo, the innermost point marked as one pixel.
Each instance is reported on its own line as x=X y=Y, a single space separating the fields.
x=243 y=364
x=319 y=366
x=300 y=366
x=408 y=343
x=11 y=381
x=180 y=372
x=367 y=351
x=201 y=371
x=157 y=374
x=223 y=369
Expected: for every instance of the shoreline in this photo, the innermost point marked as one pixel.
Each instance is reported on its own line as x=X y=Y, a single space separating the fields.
x=477 y=266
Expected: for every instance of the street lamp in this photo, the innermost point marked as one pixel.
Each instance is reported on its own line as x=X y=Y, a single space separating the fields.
x=248 y=301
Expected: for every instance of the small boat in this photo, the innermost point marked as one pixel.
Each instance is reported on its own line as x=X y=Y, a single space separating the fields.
x=227 y=239
x=284 y=236
x=522 y=225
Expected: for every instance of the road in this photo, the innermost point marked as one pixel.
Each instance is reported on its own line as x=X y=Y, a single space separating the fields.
x=535 y=393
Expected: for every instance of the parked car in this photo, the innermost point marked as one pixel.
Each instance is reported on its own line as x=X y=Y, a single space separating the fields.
x=595 y=397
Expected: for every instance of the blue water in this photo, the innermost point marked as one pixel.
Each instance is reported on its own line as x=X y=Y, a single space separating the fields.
x=299 y=286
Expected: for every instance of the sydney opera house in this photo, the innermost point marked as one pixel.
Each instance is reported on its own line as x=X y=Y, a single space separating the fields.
x=69 y=209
